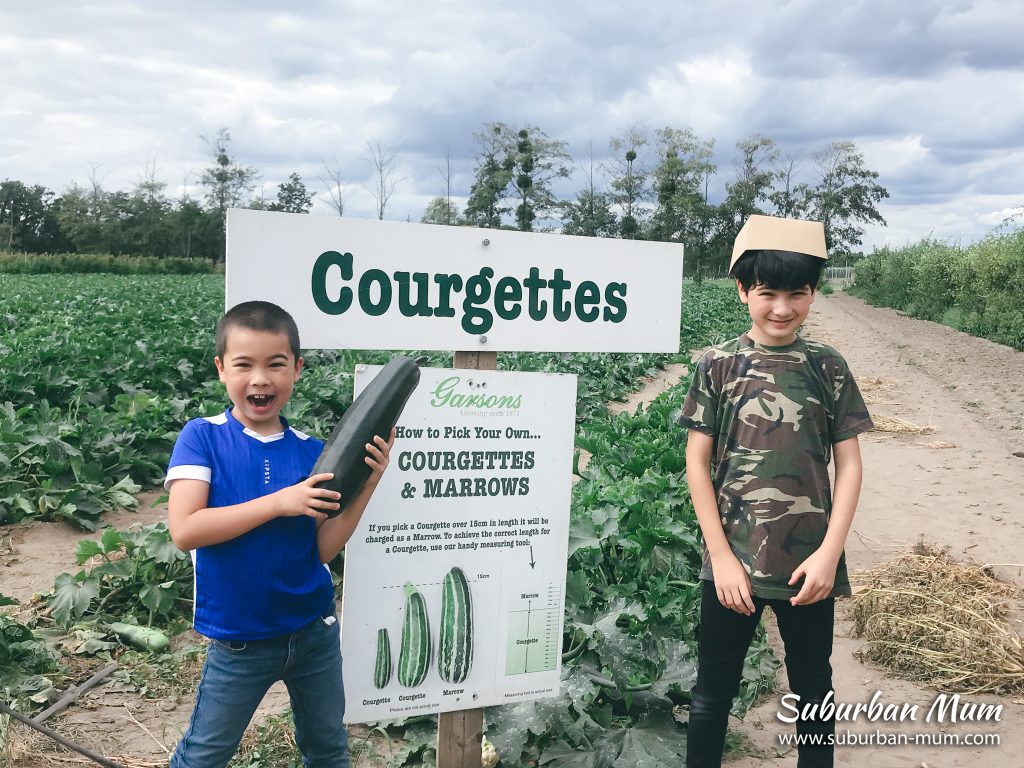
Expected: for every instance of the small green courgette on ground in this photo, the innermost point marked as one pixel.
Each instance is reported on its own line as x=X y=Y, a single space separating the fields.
x=143 y=638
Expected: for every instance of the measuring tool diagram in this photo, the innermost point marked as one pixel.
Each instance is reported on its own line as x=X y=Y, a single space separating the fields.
x=534 y=640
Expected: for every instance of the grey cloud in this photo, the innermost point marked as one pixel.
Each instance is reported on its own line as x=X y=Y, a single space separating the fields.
x=116 y=82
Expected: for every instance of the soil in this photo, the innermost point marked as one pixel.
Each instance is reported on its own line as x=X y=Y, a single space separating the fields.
x=952 y=476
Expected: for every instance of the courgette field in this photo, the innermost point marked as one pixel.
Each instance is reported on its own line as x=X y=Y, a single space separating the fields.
x=99 y=372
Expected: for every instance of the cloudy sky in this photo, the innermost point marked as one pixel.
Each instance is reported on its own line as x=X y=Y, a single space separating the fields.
x=931 y=92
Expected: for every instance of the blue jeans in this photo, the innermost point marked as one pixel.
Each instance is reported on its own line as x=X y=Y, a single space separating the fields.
x=237 y=675
x=722 y=642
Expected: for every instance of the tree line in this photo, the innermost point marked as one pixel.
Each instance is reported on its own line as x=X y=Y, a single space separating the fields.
x=651 y=185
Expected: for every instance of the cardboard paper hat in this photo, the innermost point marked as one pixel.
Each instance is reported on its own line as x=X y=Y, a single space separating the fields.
x=768 y=233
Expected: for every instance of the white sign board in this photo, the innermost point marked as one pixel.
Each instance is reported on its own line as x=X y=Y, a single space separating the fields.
x=461 y=554
x=361 y=284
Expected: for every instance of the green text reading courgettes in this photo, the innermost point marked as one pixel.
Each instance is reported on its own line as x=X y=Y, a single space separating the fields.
x=421 y=294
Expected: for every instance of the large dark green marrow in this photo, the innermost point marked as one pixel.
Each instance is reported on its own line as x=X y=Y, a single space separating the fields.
x=374 y=412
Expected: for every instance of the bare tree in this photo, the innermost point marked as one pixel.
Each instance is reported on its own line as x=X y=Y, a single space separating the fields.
x=791 y=198
x=96 y=185
x=147 y=185
x=629 y=178
x=590 y=214
x=226 y=181
x=845 y=196
x=184 y=186
x=384 y=160
x=335 y=185
x=450 y=212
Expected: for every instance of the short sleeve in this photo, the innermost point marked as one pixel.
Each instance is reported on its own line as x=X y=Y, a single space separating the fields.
x=851 y=414
x=700 y=408
x=190 y=459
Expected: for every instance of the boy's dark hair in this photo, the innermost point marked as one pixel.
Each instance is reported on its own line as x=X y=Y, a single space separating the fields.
x=779 y=270
x=258 y=316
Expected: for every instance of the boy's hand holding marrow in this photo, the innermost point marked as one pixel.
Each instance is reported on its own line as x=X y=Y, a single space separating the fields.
x=334 y=533
x=305 y=498
x=379 y=455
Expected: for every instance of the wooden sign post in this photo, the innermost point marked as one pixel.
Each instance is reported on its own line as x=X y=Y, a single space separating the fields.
x=460 y=734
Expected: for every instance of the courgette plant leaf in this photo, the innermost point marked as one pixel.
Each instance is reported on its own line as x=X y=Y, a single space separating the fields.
x=561 y=755
x=658 y=742
x=72 y=596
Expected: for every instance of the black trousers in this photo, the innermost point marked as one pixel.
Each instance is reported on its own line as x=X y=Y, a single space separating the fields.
x=723 y=639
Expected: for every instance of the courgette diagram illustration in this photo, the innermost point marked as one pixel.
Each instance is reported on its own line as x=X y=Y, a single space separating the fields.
x=415 y=654
x=374 y=412
x=382 y=670
x=455 y=648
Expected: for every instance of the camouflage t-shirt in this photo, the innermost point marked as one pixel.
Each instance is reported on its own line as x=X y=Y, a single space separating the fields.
x=774 y=413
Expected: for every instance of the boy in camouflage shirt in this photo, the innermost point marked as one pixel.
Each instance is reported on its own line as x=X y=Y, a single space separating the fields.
x=766 y=412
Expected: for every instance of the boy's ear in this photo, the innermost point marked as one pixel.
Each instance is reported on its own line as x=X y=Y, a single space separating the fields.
x=742 y=293
x=298 y=367
x=220 y=366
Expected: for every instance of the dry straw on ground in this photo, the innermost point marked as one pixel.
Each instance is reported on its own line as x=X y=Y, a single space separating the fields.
x=899 y=426
x=939 y=444
x=876 y=390
x=939 y=622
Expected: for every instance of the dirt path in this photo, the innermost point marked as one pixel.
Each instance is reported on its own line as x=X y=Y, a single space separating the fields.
x=959 y=486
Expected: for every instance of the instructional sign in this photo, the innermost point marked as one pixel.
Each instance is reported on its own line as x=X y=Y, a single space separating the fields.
x=360 y=284
x=458 y=564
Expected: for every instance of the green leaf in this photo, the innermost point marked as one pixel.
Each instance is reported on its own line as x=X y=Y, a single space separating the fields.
x=112 y=540
x=159 y=546
x=621 y=654
x=160 y=598
x=89 y=642
x=87 y=548
x=577 y=591
x=120 y=495
x=115 y=569
x=680 y=672
x=561 y=755
x=659 y=742
x=72 y=596
x=588 y=531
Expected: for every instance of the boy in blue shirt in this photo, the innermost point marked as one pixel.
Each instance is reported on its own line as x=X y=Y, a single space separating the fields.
x=241 y=502
x=766 y=413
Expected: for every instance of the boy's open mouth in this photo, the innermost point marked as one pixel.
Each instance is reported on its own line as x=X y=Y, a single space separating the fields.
x=260 y=401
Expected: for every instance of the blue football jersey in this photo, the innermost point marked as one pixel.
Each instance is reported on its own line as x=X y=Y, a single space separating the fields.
x=269 y=581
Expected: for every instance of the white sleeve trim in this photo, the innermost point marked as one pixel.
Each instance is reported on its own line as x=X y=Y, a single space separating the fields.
x=187 y=472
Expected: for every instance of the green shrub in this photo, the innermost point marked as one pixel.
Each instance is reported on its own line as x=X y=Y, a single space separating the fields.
x=978 y=289
x=83 y=263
